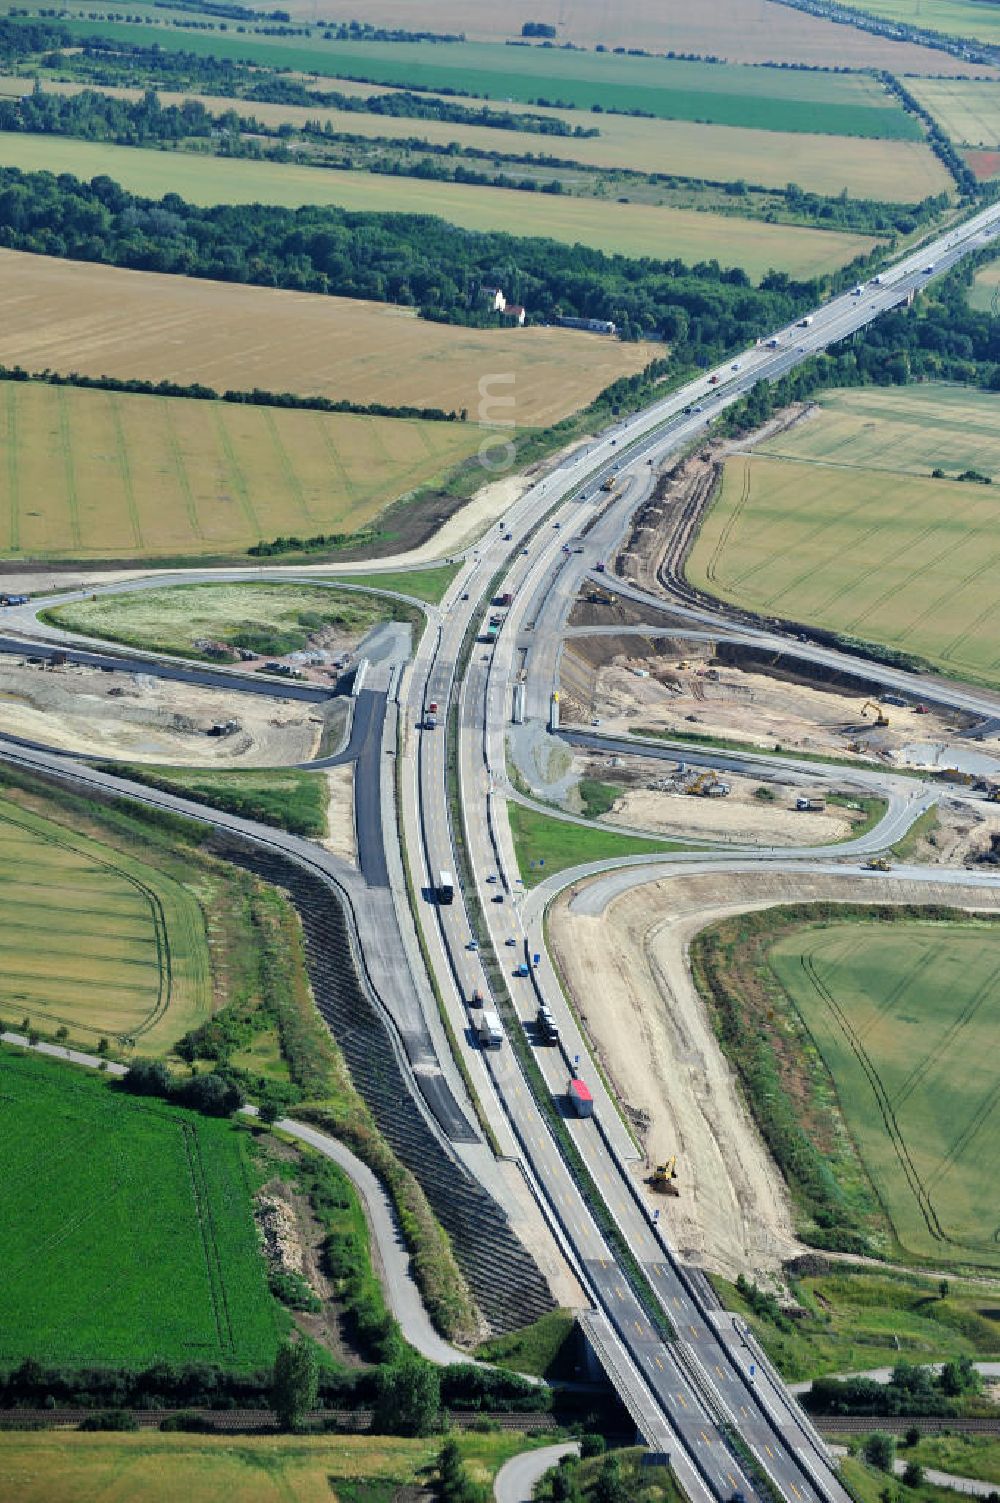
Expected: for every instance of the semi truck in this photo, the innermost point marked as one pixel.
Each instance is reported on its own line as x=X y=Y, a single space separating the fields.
x=445 y=887
x=805 y=322
x=580 y=1099
x=488 y=1030
x=546 y=1025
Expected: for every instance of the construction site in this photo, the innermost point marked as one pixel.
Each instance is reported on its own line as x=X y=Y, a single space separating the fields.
x=143 y=718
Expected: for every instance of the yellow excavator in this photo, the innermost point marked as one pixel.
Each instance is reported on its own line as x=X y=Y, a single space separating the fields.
x=664 y=1177
x=702 y=783
x=881 y=718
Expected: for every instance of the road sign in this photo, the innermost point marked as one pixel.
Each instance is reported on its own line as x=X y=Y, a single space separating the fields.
x=753 y=1369
x=536 y=960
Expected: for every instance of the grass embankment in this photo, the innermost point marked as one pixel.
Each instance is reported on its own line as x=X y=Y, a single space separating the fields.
x=596 y=797
x=922 y=829
x=426 y=584
x=824 y=1046
x=857 y=1319
x=961 y=1455
x=287 y=797
x=97 y=1271
x=545 y=845
x=267 y=619
x=619 y=1474
x=871 y=810
x=70 y=1467
x=868 y=1485
x=857 y=522
x=547 y=1348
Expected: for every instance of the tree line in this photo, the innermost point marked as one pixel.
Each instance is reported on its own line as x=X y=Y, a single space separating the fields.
x=410 y=259
x=256 y=397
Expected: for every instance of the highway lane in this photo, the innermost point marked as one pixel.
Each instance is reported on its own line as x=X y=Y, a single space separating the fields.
x=768 y=1419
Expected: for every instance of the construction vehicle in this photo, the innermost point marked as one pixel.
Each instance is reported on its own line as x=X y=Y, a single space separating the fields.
x=993 y=793
x=708 y=785
x=609 y=484
x=664 y=1177
x=921 y=709
x=881 y=718
x=878 y=864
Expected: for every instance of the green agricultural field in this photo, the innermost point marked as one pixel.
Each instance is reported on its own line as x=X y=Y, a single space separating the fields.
x=103 y=475
x=623 y=228
x=956 y=18
x=271 y=619
x=94 y=940
x=985 y=293
x=128 y=1233
x=838 y=524
x=905 y=1016
x=967 y=110
x=722 y=94
x=56 y=1466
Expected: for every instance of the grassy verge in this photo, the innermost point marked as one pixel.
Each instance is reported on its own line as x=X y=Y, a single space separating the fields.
x=597 y=798
x=853 y=1318
x=547 y=1347
x=922 y=828
x=287 y=797
x=872 y=811
x=425 y=584
x=870 y=1486
x=962 y=1455
x=545 y=844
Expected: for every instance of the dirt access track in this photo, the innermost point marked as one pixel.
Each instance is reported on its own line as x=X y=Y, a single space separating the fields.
x=627 y=973
x=146 y=719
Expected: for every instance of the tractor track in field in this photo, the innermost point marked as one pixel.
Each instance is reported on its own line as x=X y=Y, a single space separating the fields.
x=164 y=956
x=883 y=1102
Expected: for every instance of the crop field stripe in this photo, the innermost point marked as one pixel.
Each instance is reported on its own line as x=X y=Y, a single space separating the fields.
x=125 y=469
x=213 y=1270
x=885 y=1108
x=731 y=522
x=288 y=468
x=66 y=445
x=180 y=468
x=237 y=479
x=14 y=534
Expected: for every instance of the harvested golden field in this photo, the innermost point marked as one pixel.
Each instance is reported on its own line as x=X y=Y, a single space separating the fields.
x=94 y=940
x=103 y=320
x=103 y=475
x=839 y=523
x=738 y=30
x=967 y=111
x=627 y=229
x=893 y=171
x=742 y=31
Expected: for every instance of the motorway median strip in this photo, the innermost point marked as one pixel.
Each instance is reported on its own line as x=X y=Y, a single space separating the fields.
x=631 y=1269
